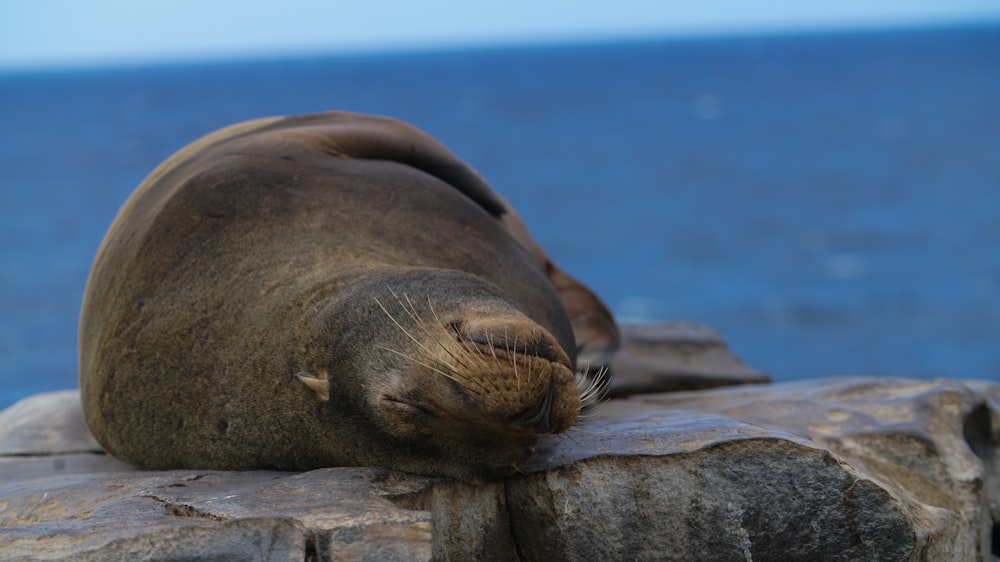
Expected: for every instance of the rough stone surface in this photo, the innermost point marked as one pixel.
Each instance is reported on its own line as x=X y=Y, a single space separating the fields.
x=841 y=469
x=671 y=356
x=838 y=469
x=330 y=514
x=48 y=424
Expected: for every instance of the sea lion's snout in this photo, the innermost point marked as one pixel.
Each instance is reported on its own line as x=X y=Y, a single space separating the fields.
x=526 y=378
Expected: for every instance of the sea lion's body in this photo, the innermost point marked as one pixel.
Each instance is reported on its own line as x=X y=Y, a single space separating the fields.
x=326 y=290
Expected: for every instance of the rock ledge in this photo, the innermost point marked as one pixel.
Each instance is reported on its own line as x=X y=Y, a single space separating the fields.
x=837 y=469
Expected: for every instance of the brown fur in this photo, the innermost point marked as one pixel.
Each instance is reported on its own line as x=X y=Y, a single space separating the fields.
x=331 y=289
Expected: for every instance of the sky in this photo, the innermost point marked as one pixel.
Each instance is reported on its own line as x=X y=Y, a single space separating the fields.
x=73 y=33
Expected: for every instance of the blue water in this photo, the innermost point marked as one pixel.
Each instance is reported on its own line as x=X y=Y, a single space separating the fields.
x=830 y=203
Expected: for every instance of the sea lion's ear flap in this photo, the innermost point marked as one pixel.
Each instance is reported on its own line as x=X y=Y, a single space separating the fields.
x=319 y=384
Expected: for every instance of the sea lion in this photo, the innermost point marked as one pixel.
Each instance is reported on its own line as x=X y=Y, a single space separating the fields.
x=329 y=290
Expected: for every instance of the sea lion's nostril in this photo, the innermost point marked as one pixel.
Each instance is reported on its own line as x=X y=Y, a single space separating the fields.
x=539 y=417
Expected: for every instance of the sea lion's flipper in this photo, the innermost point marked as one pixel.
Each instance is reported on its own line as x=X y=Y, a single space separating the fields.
x=318 y=384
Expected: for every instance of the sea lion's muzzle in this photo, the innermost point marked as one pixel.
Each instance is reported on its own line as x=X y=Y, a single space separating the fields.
x=527 y=380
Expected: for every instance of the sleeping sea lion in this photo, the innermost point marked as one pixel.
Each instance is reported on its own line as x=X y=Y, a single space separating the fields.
x=329 y=290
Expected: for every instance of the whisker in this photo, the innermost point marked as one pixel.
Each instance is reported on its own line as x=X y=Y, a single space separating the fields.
x=593 y=388
x=442 y=337
x=396 y=322
x=493 y=351
x=453 y=377
x=571 y=437
x=437 y=336
x=462 y=350
x=412 y=311
x=408 y=334
x=467 y=379
x=513 y=360
x=593 y=391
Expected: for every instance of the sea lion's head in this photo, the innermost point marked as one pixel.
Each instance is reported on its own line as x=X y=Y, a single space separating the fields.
x=457 y=380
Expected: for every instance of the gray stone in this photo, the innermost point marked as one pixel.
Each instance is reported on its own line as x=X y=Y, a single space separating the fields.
x=46 y=424
x=331 y=514
x=839 y=469
x=45 y=435
x=672 y=356
x=843 y=469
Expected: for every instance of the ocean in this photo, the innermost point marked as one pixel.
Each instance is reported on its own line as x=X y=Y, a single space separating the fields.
x=829 y=202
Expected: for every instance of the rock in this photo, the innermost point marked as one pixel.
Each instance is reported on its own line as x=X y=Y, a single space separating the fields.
x=45 y=435
x=95 y=508
x=672 y=356
x=843 y=469
x=336 y=513
x=838 y=469
x=46 y=424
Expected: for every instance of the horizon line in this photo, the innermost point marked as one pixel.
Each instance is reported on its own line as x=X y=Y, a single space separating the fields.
x=46 y=65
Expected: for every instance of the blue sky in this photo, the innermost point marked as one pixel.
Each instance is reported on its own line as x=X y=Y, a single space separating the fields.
x=39 y=33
